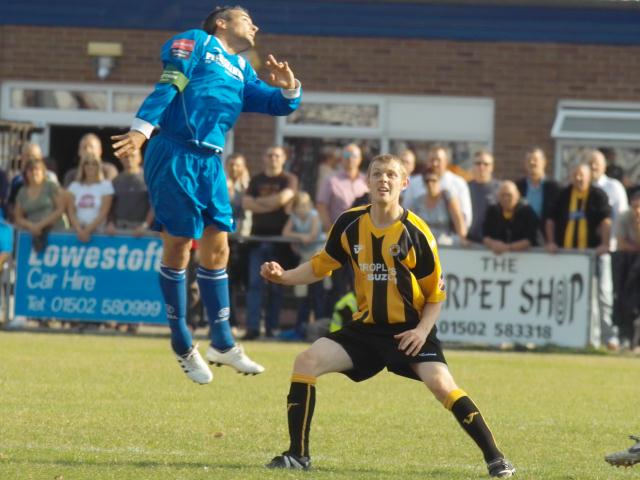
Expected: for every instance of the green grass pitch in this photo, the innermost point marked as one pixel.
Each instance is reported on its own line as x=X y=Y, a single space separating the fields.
x=118 y=407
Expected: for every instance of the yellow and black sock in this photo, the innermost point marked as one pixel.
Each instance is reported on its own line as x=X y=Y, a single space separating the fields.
x=300 y=404
x=470 y=419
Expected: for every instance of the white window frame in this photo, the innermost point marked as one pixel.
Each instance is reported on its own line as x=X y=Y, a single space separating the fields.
x=594 y=110
x=45 y=117
x=383 y=131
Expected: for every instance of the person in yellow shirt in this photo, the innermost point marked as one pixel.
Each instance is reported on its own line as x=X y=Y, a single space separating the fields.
x=399 y=289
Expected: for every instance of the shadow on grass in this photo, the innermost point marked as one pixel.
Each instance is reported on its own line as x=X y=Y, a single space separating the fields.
x=431 y=473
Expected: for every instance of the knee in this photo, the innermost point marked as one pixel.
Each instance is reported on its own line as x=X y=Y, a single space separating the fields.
x=307 y=363
x=176 y=253
x=220 y=254
x=441 y=387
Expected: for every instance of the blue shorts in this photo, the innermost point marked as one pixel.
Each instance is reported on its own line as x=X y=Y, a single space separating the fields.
x=187 y=188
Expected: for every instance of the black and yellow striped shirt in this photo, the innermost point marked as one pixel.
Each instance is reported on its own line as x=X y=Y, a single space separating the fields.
x=396 y=269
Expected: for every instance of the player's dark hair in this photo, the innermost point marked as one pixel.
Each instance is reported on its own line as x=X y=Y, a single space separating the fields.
x=224 y=13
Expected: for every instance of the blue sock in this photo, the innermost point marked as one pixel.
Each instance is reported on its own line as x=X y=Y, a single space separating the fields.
x=214 y=291
x=174 y=290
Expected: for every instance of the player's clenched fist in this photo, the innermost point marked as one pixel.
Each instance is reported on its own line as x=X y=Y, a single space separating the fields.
x=272 y=271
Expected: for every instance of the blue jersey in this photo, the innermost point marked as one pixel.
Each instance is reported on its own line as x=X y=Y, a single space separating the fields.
x=203 y=89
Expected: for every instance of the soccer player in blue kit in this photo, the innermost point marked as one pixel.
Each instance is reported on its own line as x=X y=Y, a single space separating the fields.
x=203 y=88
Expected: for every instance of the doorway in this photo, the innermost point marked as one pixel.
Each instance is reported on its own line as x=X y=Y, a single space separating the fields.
x=63 y=146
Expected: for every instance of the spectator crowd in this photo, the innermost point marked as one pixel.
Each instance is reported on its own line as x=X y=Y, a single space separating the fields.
x=277 y=221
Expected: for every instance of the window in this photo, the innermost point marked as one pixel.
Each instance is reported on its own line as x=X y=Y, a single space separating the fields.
x=335 y=114
x=613 y=127
x=58 y=99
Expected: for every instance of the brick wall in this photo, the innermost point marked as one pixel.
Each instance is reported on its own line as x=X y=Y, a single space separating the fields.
x=526 y=80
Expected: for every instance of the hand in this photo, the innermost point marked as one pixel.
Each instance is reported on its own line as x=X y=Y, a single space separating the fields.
x=128 y=142
x=500 y=247
x=140 y=231
x=35 y=229
x=602 y=249
x=411 y=341
x=280 y=75
x=84 y=235
x=110 y=229
x=551 y=247
x=272 y=271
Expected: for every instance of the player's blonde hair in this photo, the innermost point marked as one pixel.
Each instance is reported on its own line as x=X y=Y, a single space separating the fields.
x=385 y=159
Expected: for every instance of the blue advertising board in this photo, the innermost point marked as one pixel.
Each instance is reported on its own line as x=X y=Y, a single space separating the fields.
x=110 y=278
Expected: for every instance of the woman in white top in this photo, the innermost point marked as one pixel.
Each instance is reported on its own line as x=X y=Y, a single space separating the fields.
x=91 y=198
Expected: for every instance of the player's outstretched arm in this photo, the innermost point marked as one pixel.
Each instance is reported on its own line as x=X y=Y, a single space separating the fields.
x=128 y=142
x=301 y=275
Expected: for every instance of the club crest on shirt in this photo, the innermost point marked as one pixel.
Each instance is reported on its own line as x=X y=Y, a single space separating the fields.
x=394 y=250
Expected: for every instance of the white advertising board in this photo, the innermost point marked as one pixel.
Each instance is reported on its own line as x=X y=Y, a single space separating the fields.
x=529 y=297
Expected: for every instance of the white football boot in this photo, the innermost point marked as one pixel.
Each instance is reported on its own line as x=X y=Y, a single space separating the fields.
x=194 y=366
x=236 y=358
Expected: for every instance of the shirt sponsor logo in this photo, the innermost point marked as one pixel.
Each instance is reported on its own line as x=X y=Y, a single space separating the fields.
x=217 y=57
x=182 y=48
x=378 y=272
x=442 y=286
x=357 y=248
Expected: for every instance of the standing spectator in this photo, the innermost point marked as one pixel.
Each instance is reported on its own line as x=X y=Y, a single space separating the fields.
x=130 y=209
x=238 y=179
x=6 y=253
x=338 y=191
x=6 y=243
x=615 y=191
x=441 y=211
x=91 y=198
x=337 y=194
x=4 y=193
x=483 y=190
x=538 y=191
x=268 y=197
x=510 y=225
x=408 y=159
x=90 y=144
x=438 y=159
x=40 y=203
x=626 y=270
x=305 y=228
x=628 y=228
x=328 y=166
x=237 y=183
x=581 y=219
x=29 y=151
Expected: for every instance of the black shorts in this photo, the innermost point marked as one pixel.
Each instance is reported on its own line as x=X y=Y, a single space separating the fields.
x=373 y=348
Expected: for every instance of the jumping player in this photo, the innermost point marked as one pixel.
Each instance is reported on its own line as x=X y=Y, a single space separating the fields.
x=203 y=88
x=399 y=288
